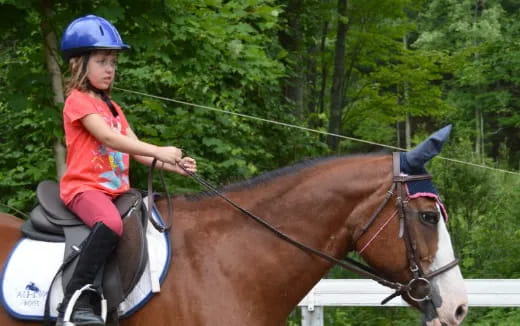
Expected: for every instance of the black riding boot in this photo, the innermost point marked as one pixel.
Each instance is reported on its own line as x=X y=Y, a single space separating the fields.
x=95 y=250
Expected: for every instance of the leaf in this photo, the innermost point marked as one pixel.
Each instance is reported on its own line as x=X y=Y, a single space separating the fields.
x=17 y=102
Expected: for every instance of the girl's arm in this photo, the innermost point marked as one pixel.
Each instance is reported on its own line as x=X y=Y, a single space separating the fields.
x=187 y=162
x=95 y=124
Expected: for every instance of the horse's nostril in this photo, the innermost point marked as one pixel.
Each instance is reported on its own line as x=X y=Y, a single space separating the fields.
x=460 y=313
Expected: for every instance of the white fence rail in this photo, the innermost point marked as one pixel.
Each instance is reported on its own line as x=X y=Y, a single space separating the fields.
x=365 y=293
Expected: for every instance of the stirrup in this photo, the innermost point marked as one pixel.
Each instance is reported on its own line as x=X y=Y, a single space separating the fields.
x=72 y=302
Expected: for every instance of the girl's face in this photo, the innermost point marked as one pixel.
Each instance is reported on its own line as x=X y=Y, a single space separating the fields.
x=101 y=69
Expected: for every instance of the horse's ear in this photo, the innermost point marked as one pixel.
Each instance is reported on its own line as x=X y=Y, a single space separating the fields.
x=428 y=149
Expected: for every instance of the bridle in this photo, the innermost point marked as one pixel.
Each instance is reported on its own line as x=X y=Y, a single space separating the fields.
x=419 y=288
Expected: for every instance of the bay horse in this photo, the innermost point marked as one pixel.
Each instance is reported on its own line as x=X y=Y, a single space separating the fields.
x=228 y=270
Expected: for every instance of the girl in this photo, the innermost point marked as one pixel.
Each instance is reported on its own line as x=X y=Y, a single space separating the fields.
x=99 y=142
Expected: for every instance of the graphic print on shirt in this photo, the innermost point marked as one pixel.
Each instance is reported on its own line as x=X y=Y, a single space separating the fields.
x=113 y=161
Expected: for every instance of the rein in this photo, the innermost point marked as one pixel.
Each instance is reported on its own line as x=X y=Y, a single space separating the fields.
x=420 y=281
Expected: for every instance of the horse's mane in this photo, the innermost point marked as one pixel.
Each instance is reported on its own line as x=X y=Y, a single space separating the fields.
x=267 y=176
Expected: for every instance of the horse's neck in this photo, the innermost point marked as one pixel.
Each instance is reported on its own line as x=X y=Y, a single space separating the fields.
x=313 y=206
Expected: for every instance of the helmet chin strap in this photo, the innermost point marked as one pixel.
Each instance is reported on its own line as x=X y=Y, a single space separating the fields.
x=104 y=97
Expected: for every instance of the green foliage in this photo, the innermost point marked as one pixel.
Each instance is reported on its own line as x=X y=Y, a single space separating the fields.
x=30 y=123
x=479 y=40
x=219 y=56
x=492 y=317
x=475 y=223
x=371 y=316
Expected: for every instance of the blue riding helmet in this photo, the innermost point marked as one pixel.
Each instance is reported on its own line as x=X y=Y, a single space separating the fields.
x=90 y=33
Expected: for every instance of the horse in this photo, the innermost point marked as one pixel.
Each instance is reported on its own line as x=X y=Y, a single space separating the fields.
x=228 y=270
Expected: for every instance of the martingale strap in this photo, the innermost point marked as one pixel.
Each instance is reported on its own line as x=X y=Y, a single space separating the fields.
x=151 y=196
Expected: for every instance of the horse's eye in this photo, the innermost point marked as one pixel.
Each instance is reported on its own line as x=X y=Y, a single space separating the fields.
x=429 y=217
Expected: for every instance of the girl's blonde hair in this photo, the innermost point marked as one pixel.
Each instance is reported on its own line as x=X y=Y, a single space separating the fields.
x=78 y=74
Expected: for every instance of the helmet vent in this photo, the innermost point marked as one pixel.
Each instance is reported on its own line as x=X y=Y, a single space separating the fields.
x=101 y=30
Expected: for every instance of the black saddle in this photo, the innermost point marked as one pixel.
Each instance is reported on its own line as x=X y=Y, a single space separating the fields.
x=52 y=221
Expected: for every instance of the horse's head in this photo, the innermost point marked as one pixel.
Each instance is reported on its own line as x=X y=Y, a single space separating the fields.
x=407 y=242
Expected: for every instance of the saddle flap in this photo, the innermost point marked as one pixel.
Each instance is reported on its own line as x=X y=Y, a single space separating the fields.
x=48 y=193
x=127 y=201
x=29 y=231
x=125 y=268
x=132 y=253
x=40 y=221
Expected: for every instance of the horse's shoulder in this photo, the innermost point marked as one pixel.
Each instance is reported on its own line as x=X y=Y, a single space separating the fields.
x=10 y=221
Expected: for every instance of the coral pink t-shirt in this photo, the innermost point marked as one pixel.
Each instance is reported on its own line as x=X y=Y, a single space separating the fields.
x=90 y=164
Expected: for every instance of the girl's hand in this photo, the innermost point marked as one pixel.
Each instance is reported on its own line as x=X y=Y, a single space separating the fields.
x=169 y=154
x=187 y=164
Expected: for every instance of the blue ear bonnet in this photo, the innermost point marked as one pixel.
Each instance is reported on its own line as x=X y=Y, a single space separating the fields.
x=428 y=149
x=419 y=186
x=412 y=163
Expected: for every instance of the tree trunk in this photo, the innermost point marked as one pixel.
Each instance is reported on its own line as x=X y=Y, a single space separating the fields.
x=408 y=132
x=408 y=128
x=398 y=134
x=479 y=120
x=349 y=79
x=336 y=98
x=482 y=133
x=317 y=78
x=51 y=57
x=292 y=40
x=324 y=66
x=479 y=128
x=312 y=80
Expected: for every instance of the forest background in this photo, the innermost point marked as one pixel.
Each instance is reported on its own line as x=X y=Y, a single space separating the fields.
x=384 y=71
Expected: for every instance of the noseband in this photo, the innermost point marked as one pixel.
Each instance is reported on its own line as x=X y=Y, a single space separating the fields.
x=418 y=288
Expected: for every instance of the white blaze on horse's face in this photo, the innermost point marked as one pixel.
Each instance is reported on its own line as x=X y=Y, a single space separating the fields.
x=450 y=284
